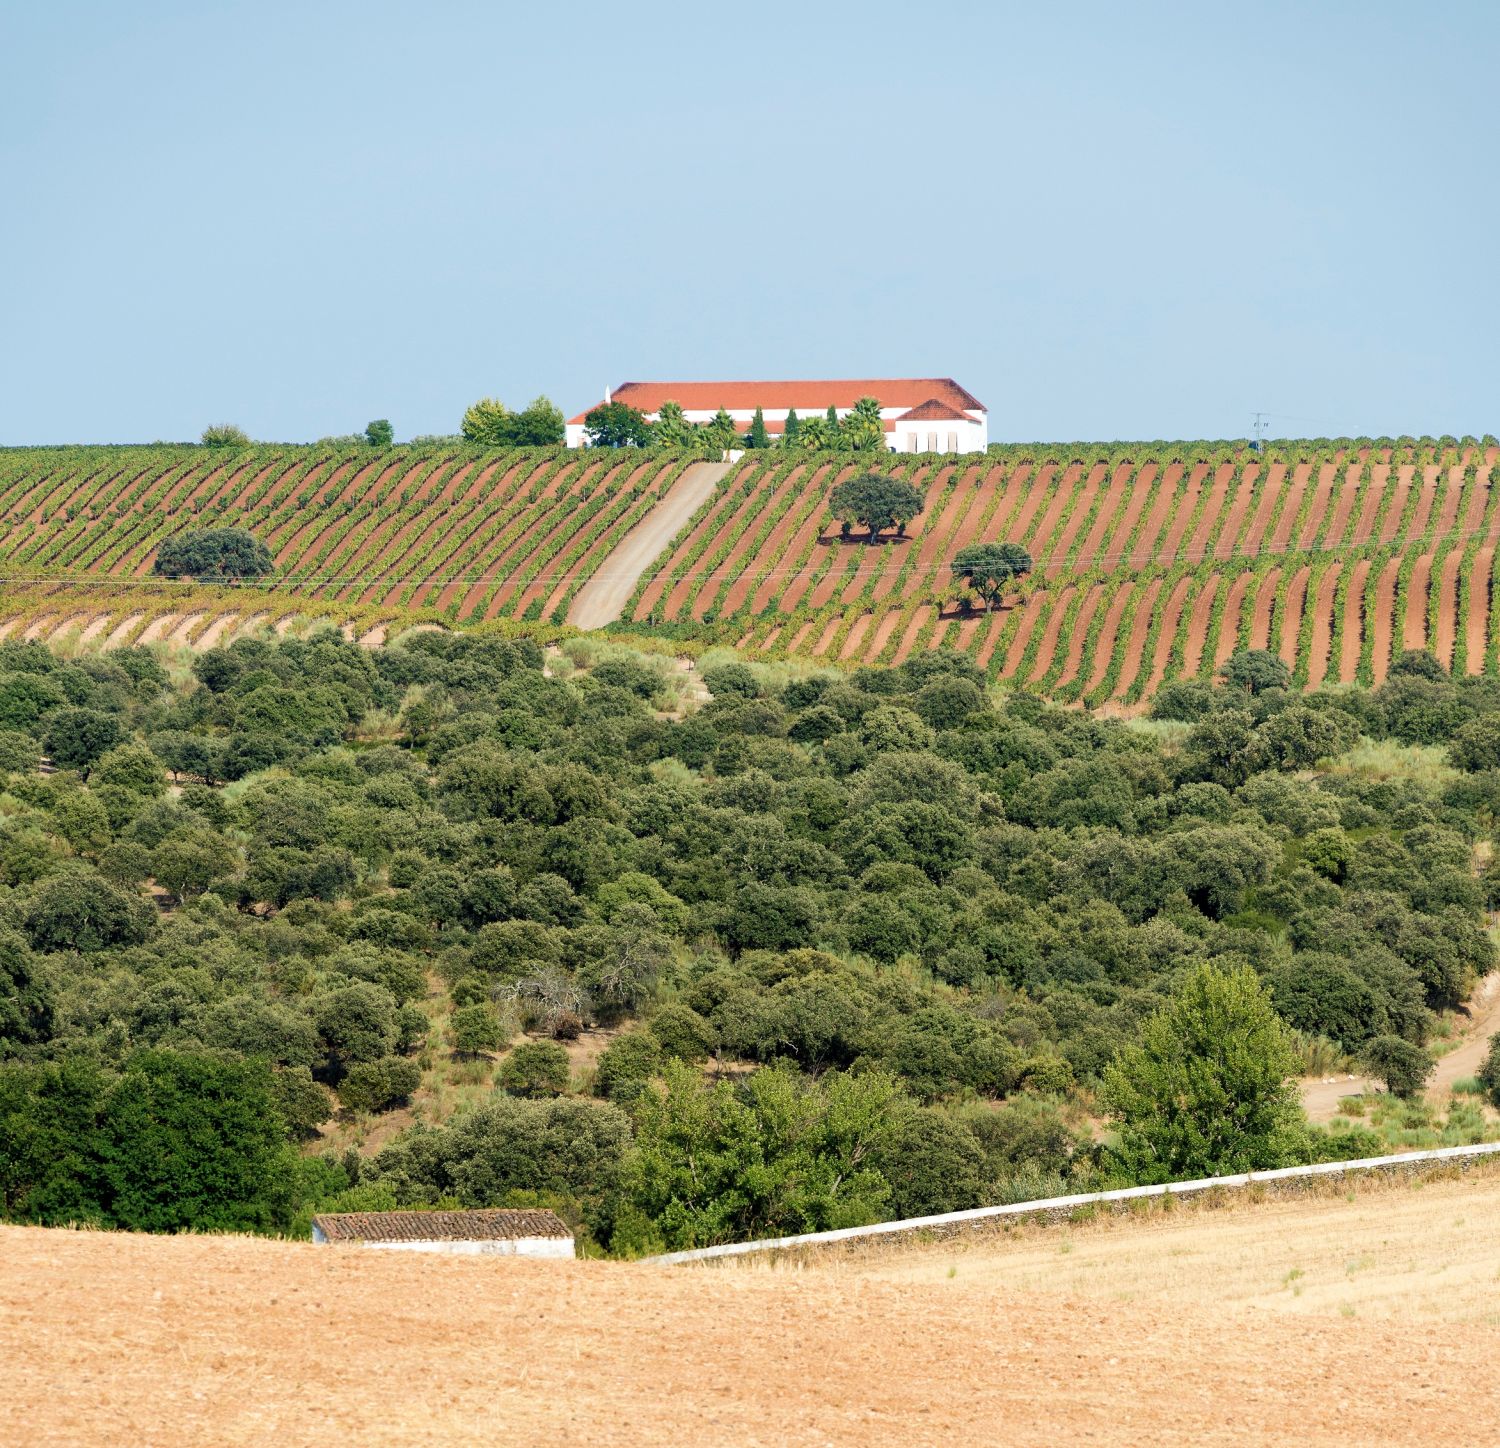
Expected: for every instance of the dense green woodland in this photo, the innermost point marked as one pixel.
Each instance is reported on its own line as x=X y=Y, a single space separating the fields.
x=863 y=946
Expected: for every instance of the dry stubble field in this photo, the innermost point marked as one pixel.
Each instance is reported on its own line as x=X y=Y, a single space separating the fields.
x=1316 y=1321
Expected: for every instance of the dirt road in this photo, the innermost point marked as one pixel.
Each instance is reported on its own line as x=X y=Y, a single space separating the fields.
x=112 y=1339
x=1320 y=1094
x=603 y=597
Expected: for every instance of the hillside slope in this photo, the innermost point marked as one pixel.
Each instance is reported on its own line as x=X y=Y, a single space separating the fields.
x=454 y=534
x=1153 y=561
x=1060 y=1338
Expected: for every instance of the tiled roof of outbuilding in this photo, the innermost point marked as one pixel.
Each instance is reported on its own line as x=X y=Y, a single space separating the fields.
x=806 y=397
x=933 y=411
x=493 y=1225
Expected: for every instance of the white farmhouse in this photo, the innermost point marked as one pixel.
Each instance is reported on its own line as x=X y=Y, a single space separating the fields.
x=491 y=1232
x=920 y=414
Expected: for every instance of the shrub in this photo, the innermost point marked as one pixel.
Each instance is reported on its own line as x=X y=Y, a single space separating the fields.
x=19 y=752
x=225 y=434
x=378 y=1085
x=1489 y=1073
x=1402 y=1066
x=628 y=1063
x=218 y=555
x=684 y=1033
x=1253 y=671
x=475 y=1029
x=535 y=1068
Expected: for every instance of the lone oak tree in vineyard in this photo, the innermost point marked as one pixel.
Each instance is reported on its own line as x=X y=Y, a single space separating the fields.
x=876 y=501
x=215 y=556
x=990 y=566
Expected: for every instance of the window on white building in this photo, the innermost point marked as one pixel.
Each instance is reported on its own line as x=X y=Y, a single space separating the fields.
x=952 y=442
x=932 y=442
x=913 y=442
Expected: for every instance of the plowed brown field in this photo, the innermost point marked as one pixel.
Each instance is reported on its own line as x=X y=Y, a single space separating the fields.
x=1323 y=1321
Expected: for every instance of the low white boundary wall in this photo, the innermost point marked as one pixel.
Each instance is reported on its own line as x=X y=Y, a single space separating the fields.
x=1059 y=1207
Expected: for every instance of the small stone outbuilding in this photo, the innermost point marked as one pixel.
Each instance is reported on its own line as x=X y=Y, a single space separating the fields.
x=497 y=1231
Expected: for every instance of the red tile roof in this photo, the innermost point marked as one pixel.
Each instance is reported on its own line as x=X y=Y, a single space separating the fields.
x=493 y=1225
x=933 y=411
x=806 y=397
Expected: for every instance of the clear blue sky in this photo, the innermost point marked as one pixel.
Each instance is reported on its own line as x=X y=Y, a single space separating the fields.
x=1107 y=220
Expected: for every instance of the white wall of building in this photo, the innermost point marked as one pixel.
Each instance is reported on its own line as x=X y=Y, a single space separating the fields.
x=508 y=1247
x=939 y=435
x=970 y=436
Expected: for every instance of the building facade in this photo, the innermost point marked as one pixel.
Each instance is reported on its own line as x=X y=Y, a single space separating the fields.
x=919 y=414
x=489 y=1232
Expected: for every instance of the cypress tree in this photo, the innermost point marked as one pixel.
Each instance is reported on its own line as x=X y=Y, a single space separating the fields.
x=793 y=423
x=757 y=434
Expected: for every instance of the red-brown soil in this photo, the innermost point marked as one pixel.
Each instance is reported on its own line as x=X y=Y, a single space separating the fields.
x=736 y=565
x=1164 y=490
x=1270 y=483
x=1031 y=611
x=780 y=546
x=1198 y=546
x=1479 y=606
x=850 y=646
x=1044 y=654
x=1109 y=633
x=1265 y=604
x=1447 y=616
x=1140 y=625
x=1382 y=626
x=1291 y=620
x=1364 y=528
x=1348 y=663
x=786 y=549
x=1173 y=544
x=881 y=636
x=1234 y=523
x=935 y=546
x=1107 y=549
x=1322 y=629
x=1084 y=499
x=1345 y=486
x=1121 y=502
x=396 y=539
x=1415 y=635
x=1324 y=484
x=1073 y=659
x=1295 y=486
x=919 y=620
x=1229 y=621
x=1197 y=631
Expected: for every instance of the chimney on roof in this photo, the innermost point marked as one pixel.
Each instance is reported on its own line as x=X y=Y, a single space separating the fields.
x=606 y=397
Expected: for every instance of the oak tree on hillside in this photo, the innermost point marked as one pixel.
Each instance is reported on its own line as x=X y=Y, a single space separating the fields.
x=877 y=502
x=989 y=567
x=218 y=555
